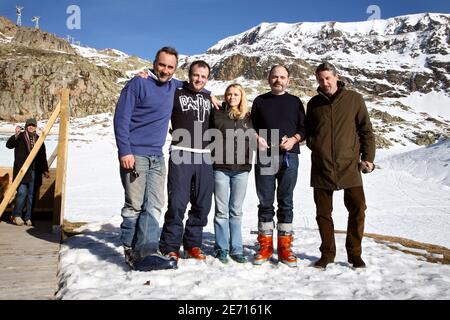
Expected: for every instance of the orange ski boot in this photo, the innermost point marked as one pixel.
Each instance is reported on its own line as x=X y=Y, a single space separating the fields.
x=265 y=248
x=285 y=253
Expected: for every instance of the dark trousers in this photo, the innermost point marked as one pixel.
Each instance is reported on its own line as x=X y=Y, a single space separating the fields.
x=282 y=181
x=355 y=203
x=192 y=182
x=25 y=198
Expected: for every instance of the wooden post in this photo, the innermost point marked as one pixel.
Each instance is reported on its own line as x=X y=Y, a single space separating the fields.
x=61 y=164
x=12 y=188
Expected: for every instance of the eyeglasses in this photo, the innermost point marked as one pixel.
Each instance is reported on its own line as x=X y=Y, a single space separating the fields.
x=135 y=173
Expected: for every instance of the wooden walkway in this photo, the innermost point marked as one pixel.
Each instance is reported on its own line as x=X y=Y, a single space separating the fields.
x=28 y=261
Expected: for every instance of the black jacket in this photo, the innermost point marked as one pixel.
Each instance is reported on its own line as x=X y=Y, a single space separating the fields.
x=234 y=150
x=19 y=144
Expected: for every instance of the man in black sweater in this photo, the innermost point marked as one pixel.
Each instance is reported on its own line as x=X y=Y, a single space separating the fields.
x=278 y=117
x=190 y=177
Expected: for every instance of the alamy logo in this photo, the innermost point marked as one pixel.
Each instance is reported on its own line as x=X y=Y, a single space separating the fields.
x=74 y=20
x=375 y=10
x=201 y=105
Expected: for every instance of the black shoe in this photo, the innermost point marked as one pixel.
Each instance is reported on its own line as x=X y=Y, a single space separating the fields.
x=322 y=262
x=357 y=262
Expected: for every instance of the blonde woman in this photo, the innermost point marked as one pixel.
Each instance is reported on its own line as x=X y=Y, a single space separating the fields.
x=232 y=164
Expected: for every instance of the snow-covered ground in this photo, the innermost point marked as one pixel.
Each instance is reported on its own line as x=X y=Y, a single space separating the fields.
x=407 y=196
x=92 y=267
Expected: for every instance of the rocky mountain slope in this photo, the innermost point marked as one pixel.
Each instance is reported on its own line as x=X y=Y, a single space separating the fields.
x=391 y=58
x=35 y=65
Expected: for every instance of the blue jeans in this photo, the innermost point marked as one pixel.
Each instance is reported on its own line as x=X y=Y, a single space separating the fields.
x=229 y=193
x=24 y=196
x=144 y=200
x=285 y=178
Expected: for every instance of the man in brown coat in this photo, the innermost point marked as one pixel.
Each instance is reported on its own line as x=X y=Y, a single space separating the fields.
x=339 y=134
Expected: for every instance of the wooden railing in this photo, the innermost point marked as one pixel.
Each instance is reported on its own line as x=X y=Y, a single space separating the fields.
x=62 y=110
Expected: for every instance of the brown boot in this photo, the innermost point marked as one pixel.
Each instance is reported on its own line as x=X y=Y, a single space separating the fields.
x=323 y=262
x=357 y=262
x=265 y=248
x=285 y=253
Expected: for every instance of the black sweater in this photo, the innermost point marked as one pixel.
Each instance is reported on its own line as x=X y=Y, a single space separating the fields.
x=284 y=112
x=190 y=118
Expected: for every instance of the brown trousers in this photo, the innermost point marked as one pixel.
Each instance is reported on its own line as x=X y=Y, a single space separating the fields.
x=355 y=203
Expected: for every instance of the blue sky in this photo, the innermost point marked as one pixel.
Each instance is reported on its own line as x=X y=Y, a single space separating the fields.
x=192 y=26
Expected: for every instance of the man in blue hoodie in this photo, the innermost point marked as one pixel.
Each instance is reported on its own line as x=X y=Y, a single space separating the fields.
x=141 y=122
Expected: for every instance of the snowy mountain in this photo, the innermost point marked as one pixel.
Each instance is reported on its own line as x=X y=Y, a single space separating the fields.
x=406 y=51
x=401 y=65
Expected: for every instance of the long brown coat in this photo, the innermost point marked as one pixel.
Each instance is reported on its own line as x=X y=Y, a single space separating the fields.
x=339 y=134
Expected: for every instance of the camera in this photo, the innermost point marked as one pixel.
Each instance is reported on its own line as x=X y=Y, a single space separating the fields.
x=133 y=174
